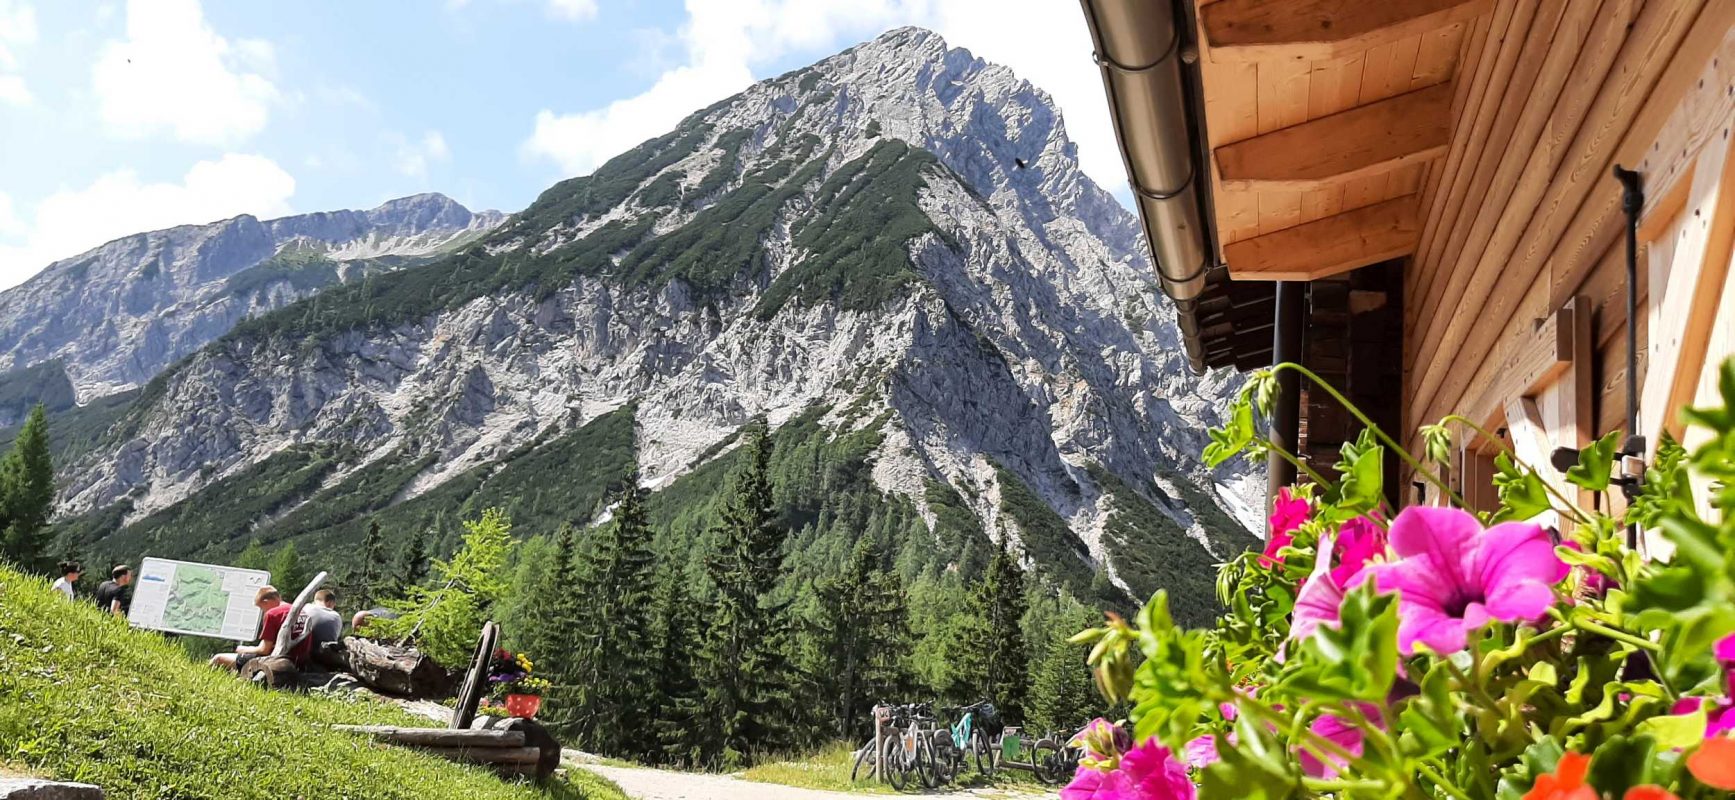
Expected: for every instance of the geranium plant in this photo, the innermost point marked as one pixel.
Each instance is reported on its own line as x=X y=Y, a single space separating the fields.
x=1434 y=652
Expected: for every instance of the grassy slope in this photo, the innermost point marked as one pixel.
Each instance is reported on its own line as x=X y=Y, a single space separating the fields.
x=84 y=698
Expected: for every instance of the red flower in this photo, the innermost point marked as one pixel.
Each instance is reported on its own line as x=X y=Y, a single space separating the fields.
x=1649 y=792
x=1566 y=782
x=1714 y=763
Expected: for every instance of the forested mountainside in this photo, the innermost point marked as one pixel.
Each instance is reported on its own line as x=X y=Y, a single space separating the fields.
x=112 y=318
x=890 y=259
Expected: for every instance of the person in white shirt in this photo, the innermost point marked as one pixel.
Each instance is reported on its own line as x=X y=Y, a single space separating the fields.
x=69 y=571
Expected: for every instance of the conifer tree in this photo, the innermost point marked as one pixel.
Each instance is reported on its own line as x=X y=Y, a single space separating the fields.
x=254 y=557
x=287 y=571
x=368 y=577
x=1062 y=695
x=412 y=564
x=676 y=701
x=744 y=662
x=993 y=659
x=27 y=494
x=613 y=653
x=555 y=619
x=861 y=637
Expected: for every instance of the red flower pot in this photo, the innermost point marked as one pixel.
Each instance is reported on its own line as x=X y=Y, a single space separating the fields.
x=523 y=706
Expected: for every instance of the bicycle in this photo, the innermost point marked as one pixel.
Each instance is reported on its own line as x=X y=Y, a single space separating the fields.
x=905 y=750
x=968 y=737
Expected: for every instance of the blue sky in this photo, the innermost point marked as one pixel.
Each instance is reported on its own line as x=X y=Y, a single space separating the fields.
x=117 y=117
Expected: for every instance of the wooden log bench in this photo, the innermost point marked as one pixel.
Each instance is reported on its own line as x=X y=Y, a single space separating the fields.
x=511 y=747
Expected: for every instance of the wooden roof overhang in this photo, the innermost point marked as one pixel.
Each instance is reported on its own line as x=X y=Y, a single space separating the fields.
x=1322 y=121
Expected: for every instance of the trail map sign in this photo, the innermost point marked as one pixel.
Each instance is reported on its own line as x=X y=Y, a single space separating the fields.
x=196 y=599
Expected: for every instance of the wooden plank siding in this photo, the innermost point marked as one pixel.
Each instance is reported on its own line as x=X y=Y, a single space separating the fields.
x=1525 y=215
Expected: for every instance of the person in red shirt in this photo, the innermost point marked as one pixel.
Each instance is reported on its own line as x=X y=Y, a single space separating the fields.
x=276 y=611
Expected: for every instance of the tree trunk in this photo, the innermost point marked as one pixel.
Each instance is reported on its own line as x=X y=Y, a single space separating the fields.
x=403 y=671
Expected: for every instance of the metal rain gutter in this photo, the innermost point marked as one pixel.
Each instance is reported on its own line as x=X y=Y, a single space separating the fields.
x=1139 y=47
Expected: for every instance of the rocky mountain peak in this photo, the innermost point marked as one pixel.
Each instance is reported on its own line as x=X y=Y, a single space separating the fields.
x=112 y=317
x=894 y=244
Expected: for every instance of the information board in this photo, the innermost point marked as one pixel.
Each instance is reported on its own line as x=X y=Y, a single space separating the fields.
x=196 y=599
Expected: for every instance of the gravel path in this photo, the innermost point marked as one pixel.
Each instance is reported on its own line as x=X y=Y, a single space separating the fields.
x=656 y=784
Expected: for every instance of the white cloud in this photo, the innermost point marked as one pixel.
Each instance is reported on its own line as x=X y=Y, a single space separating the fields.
x=575 y=10
x=726 y=41
x=72 y=221
x=173 y=73
x=17 y=29
x=412 y=158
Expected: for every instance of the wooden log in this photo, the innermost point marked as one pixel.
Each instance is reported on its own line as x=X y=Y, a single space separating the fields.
x=440 y=737
x=403 y=671
x=534 y=736
x=271 y=672
x=527 y=756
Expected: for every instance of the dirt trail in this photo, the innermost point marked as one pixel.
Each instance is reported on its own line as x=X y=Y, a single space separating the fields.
x=656 y=784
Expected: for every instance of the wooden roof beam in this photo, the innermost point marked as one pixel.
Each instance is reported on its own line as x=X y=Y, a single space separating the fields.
x=1330 y=151
x=1325 y=247
x=1319 y=30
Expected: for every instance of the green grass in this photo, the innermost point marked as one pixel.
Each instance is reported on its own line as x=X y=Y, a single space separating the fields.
x=84 y=698
x=826 y=770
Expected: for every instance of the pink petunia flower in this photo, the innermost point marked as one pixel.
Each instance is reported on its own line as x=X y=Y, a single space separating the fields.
x=1595 y=583
x=1320 y=597
x=1360 y=541
x=1452 y=576
x=1103 y=743
x=1147 y=772
x=1340 y=732
x=1202 y=751
x=1288 y=512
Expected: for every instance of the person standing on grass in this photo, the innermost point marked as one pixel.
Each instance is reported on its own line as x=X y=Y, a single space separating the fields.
x=112 y=595
x=69 y=571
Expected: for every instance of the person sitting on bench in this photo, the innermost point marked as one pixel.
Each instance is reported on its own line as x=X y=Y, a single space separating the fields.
x=276 y=611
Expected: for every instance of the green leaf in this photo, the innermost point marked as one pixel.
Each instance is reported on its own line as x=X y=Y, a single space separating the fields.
x=1233 y=437
x=1363 y=471
x=1595 y=464
x=1522 y=492
x=1678 y=730
x=1356 y=660
x=1256 y=768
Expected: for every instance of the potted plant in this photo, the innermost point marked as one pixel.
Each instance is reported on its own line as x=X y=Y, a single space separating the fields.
x=511 y=681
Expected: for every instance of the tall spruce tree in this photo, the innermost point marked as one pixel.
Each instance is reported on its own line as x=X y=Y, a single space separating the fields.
x=861 y=639
x=994 y=662
x=287 y=572
x=1062 y=695
x=554 y=621
x=613 y=653
x=367 y=579
x=745 y=658
x=676 y=701
x=412 y=562
x=27 y=494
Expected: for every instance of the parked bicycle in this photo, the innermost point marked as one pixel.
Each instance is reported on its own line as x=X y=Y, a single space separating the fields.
x=968 y=739
x=905 y=755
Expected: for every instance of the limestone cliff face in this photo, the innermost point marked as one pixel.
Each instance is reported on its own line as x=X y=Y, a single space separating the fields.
x=901 y=230
x=117 y=315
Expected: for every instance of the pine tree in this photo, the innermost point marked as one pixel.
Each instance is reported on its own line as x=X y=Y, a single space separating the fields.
x=287 y=571
x=992 y=656
x=367 y=579
x=412 y=563
x=1062 y=695
x=27 y=494
x=861 y=639
x=613 y=653
x=676 y=703
x=254 y=557
x=744 y=662
x=555 y=613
